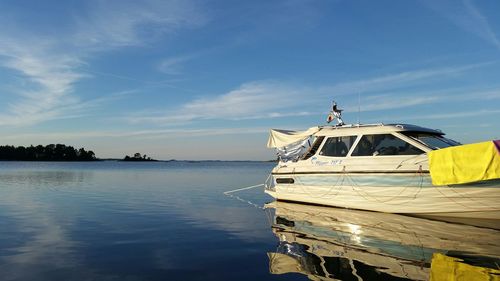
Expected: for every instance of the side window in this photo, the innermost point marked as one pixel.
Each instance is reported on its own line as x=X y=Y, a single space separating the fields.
x=313 y=148
x=373 y=145
x=365 y=146
x=337 y=146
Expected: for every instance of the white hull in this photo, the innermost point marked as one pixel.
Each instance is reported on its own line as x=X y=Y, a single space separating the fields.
x=387 y=169
x=415 y=198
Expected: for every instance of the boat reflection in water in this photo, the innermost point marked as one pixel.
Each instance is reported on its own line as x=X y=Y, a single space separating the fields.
x=327 y=243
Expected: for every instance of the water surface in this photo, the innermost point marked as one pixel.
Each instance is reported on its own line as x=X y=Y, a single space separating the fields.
x=170 y=221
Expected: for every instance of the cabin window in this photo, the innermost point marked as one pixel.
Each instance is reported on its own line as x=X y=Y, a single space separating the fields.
x=337 y=146
x=432 y=140
x=373 y=145
x=313 y=148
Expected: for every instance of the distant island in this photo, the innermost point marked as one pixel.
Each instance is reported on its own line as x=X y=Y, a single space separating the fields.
x=138 y=157
x=62 y=152
x=51 y=152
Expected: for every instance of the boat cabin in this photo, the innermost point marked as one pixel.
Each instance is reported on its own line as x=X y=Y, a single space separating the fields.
x=378 y=141
x=356 y=145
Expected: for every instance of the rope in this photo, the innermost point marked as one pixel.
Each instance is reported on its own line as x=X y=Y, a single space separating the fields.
x=354 y=187
x=327 y=193
x=244 y=188
x=229 y=194
x=465 y=197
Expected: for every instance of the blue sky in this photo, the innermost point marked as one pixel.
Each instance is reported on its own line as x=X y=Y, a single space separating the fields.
x=207 y=79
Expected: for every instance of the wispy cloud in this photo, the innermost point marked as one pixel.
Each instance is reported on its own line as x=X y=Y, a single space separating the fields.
x=274 y=99
x=110 y=24
x=456 y=114
x=394 y=81
x=49 y=95
x=481 y=25
x=384 y=102
x=392 y=100
x=52 y=64
x=139 y=134
x=472 y=95
x=51 y=78
x=446 y=115
x=379 y=102
x=173 y=65
x=264 y=99
x=467 y=17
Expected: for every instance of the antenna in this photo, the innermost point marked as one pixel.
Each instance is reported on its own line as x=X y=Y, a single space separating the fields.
x=359 y=107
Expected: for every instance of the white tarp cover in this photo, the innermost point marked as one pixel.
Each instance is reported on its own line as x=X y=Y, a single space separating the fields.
x=293 y=151
x=282 y=138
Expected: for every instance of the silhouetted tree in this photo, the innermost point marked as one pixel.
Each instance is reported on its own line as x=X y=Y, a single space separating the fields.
x=138 y=157
x=51 y=152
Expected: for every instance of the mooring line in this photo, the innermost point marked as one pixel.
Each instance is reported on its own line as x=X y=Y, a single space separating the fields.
x=228 y=193
x=244 y=188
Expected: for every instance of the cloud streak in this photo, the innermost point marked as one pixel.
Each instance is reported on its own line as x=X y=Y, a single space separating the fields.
x=173 y=65
x=50 y=65
x=393 y=101
x=394 y=81
x=140 y=134
x=384 y=102
x=50 y=78
x=479 y=24
x=111 y=24
x=254 y=100
x=467 y=17
x=274 y=99
x=449 y=115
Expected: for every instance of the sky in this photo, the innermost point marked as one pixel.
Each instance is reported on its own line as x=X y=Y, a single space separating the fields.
x=198 y=80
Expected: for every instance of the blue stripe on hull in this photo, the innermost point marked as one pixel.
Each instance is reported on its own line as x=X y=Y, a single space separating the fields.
x=366 y=180
x=384 y=180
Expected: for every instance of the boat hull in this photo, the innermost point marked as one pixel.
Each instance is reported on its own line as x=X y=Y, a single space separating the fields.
x=390 y=193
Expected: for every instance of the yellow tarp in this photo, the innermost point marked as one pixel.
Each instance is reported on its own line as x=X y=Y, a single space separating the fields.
x=444 y=268
x=464 y=163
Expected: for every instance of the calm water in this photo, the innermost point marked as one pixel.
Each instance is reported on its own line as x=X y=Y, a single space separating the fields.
x=170 y=221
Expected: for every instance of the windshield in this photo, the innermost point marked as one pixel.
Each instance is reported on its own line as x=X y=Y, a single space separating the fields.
x=433 y=141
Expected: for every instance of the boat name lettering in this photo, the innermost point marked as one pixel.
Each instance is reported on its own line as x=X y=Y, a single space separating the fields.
x=317 y=162
x=336 y=162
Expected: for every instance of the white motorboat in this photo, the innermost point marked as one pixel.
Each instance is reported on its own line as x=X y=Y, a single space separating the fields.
x=386 y=168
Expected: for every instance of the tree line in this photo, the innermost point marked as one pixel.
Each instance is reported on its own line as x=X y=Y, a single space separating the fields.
x=137 y=157
x=51 y=152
